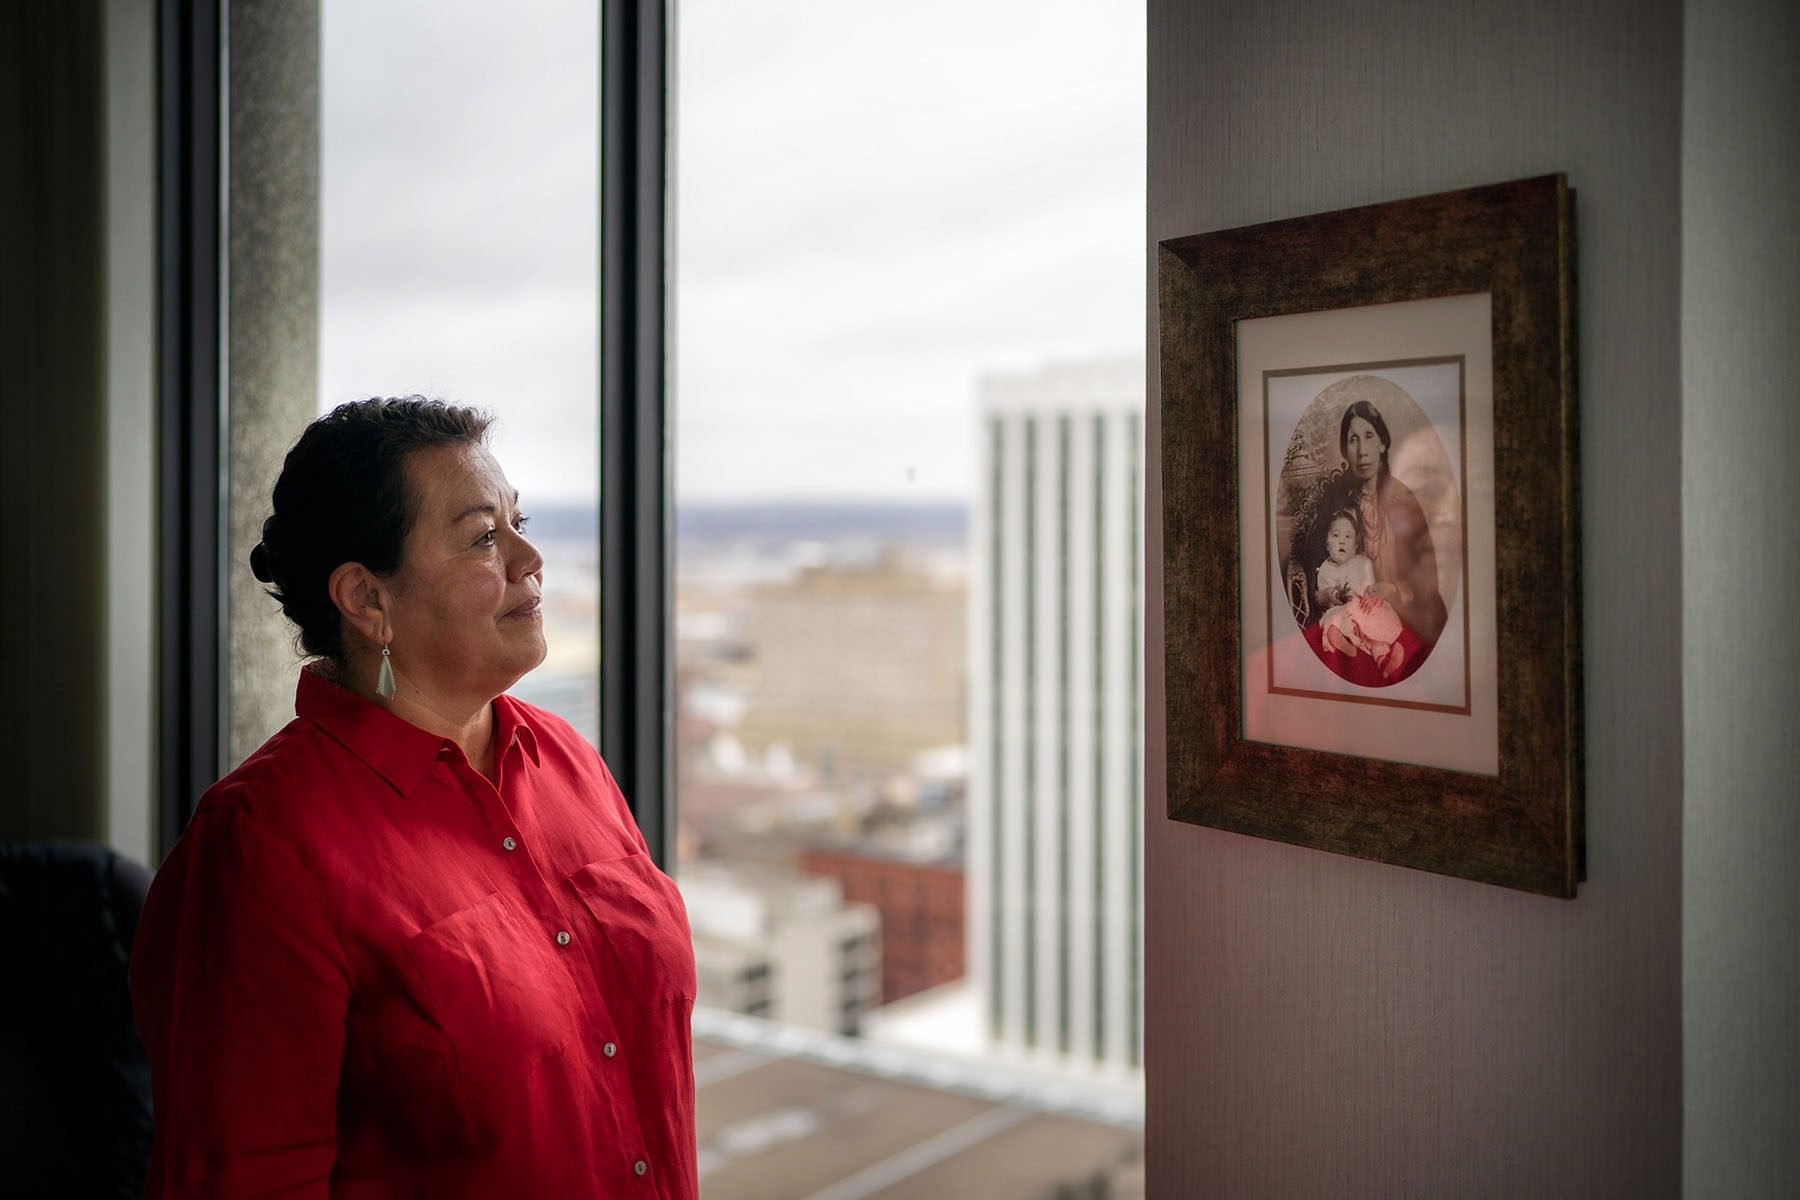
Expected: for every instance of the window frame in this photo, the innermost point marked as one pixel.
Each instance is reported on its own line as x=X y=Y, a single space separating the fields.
x=635 y=472
x=189 y=576
x=636 y=475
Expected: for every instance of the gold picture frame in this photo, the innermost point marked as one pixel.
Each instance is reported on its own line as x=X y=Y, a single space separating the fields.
x=1350 y=401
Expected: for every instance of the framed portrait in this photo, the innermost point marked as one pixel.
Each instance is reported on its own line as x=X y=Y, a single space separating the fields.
x=1370 y=555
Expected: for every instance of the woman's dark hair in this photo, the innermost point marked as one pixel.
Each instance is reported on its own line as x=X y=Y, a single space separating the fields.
x=1365 y=410
x=342 y=497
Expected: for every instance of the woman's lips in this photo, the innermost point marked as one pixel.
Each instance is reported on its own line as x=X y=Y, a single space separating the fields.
x=528 y=609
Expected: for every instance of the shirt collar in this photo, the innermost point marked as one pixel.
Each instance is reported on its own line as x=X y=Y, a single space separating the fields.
x=399 y=751
x=512 y=723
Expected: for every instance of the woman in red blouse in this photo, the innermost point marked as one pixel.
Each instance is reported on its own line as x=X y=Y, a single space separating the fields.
x=414 y=945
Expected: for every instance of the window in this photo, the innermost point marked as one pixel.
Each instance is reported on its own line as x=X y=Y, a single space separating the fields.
x=909 y=286
x=909 y=313
x=451 y=252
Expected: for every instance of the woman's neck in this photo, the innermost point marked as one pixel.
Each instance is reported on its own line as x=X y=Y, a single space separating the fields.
x=472 y=729
x=467 y=722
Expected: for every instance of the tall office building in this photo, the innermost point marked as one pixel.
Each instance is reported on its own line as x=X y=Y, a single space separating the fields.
x=1055 y=812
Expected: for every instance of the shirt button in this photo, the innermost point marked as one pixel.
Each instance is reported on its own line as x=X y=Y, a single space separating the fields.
x=609 y=1049
x=509 y=844
x=640 y=1166
x=562 y=937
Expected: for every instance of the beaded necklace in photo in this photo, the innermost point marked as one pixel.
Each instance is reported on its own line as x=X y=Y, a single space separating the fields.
x=1374 y=529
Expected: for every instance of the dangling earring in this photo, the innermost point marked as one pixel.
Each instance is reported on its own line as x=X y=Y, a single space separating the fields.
x=384 y=683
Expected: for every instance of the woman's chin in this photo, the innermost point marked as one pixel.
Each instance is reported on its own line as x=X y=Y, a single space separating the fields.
x=532 y=653
x=520 y=658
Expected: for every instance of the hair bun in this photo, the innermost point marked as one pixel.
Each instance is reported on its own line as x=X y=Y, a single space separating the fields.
x=262 y=559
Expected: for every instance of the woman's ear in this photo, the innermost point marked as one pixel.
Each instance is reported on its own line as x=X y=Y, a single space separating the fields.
x=362 y=601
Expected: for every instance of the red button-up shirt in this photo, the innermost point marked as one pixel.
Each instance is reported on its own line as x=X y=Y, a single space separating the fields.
x=365 y=971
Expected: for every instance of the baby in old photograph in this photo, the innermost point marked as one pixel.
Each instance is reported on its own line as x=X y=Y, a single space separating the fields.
x=1358 y=620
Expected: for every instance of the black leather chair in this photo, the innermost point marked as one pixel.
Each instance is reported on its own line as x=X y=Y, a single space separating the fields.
x=75 y=1111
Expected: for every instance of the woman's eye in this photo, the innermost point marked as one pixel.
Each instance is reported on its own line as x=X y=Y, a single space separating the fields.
x=519 y=523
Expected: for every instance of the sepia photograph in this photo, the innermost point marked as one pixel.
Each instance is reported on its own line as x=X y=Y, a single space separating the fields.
x=1366 y=497
x=1368 y=526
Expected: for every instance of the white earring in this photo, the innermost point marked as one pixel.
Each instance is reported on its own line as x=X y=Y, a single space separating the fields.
x=384 y=683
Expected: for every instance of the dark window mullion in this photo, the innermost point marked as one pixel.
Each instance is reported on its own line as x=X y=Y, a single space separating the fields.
x=635 y=565
x=189 y=411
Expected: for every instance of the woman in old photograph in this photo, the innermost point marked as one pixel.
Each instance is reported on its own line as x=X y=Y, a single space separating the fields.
x=1391 y=532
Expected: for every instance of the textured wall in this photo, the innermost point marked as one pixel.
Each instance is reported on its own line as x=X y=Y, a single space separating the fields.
x=1323 y=1026
x=1740 y=494
x=131 y=432
x=273 y=327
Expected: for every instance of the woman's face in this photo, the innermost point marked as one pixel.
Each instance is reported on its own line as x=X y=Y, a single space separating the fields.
x=1363 y=449
x=466 y=620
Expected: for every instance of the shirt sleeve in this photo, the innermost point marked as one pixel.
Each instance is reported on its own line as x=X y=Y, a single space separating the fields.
x=615 y=797
x=241 y=989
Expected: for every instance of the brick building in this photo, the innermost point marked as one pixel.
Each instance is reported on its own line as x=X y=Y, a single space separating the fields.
x=921 y=906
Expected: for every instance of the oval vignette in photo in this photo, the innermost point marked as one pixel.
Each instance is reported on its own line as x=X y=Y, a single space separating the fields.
x=1369 y=526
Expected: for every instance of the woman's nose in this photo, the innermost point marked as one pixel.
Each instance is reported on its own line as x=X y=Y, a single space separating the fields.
x=526 y=559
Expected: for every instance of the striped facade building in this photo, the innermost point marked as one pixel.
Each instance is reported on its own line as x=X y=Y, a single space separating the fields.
x=1055 y=862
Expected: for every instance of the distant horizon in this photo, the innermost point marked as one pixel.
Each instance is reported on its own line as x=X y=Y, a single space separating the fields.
x=861 y=503
x=705 y=523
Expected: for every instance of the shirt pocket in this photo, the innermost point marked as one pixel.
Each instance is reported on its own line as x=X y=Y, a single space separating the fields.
x=643 y=925
x=491 y=977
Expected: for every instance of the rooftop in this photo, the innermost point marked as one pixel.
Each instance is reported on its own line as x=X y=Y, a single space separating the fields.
x=786 y=1114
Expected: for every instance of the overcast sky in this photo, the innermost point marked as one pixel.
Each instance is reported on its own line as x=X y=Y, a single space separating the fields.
x=874 y=203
